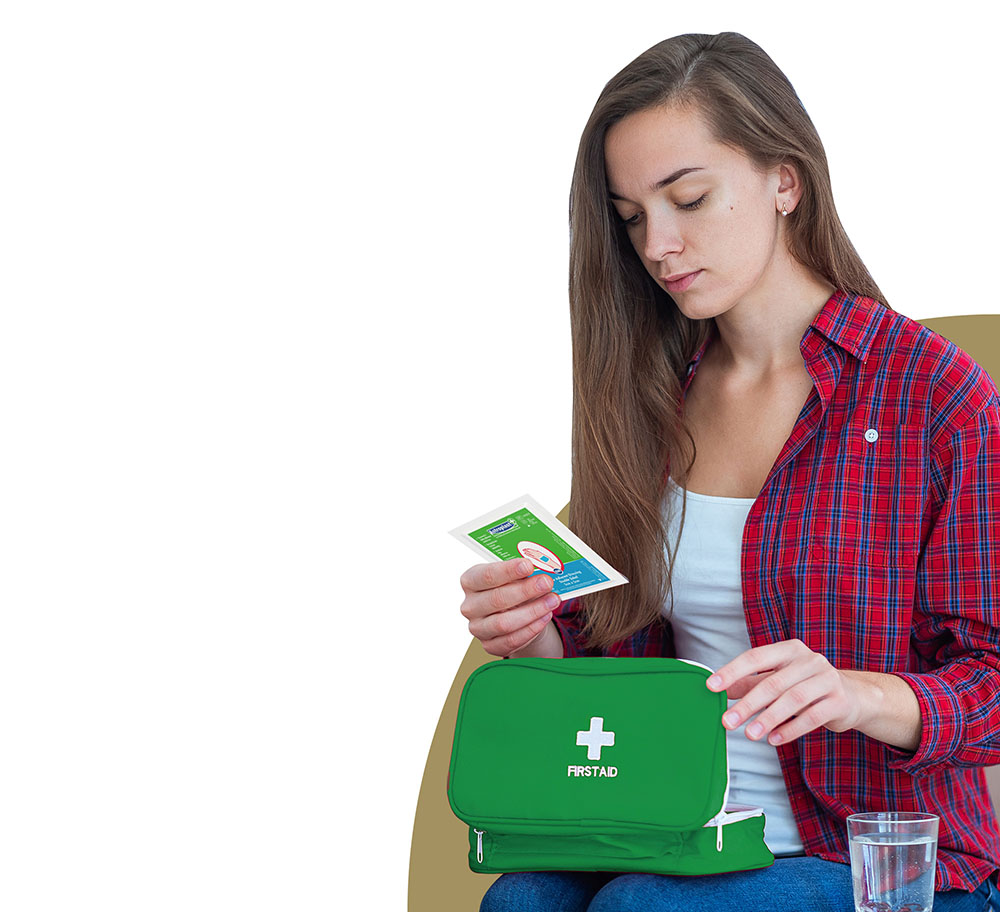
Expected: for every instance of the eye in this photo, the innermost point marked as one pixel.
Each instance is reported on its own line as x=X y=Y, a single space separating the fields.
x=695 y=204
x=687 y=207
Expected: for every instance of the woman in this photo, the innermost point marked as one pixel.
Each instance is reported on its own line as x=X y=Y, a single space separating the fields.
x=842 y=464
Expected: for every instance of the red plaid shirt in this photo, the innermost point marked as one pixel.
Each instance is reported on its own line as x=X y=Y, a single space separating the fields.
x=876 y=541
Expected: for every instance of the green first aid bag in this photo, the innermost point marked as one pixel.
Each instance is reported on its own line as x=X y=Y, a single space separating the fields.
x=598 y=764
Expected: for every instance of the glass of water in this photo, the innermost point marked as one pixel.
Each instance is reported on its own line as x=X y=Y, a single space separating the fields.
x=893 y=857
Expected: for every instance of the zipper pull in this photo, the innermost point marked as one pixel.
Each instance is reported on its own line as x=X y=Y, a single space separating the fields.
x=718 y=838
x=479 y=844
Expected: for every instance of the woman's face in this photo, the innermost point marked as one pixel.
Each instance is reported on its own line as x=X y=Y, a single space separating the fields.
x=714 y=213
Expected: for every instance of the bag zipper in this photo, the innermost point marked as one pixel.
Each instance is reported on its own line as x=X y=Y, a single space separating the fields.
x=725 y=795
x=723 y=818
x=720 y=819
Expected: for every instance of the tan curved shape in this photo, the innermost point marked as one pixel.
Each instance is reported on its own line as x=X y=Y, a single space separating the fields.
x=440 y=879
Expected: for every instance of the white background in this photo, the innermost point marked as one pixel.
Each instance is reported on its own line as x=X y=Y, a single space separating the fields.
x=274 y=279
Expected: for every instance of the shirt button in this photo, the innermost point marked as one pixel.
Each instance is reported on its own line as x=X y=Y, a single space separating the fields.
x=871 y=435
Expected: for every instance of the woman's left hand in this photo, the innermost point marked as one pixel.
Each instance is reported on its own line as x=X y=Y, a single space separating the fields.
x=793 y=689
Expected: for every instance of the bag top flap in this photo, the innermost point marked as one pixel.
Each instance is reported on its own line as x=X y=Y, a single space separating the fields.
x=590 y=741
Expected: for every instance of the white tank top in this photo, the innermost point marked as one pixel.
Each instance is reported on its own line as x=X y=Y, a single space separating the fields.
x=710 y=627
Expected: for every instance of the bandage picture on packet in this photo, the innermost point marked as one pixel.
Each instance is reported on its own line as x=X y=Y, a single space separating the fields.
x=524 y=528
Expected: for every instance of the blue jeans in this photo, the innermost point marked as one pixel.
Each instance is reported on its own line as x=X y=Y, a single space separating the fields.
x=797 y=883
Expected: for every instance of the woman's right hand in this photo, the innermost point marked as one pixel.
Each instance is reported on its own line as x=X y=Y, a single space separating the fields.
x=509 y=610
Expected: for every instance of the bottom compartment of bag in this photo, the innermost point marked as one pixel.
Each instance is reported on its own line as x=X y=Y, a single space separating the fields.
x=648 y=851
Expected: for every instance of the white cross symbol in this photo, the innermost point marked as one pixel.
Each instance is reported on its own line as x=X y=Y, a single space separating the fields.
x=596 y=738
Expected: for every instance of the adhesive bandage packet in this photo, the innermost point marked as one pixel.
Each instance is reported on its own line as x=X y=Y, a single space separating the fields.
x=524 y=528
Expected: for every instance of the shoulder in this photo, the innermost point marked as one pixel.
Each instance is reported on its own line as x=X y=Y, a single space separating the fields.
x=946 y=387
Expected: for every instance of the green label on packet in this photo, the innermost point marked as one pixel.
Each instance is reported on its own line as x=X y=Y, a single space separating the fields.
x=522 y=534
x=524 y=528
x=501 y=537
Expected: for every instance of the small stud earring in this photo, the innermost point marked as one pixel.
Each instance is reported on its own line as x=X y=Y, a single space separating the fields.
x=783 y=210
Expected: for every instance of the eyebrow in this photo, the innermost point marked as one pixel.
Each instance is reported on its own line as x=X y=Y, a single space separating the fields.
x=660 y=184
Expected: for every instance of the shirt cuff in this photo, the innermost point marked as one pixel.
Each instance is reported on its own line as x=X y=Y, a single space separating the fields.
x=570 y=649
x=566 y=619
x=941 y=726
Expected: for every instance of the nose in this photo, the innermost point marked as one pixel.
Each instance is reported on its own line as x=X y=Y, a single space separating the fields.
x=662 y=237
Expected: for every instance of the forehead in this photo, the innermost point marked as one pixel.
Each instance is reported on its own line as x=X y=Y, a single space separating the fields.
x=648 y=145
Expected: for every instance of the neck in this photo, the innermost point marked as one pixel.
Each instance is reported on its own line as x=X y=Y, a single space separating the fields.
x=758 y=337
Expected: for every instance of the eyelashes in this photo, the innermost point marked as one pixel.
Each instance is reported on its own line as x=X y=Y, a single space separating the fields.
x=687 y=207
x=696 y=203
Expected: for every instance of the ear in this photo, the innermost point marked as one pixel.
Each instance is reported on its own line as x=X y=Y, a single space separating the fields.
x=789 y=188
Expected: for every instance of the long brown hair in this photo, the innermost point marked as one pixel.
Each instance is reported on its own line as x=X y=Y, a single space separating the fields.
x=631 y=343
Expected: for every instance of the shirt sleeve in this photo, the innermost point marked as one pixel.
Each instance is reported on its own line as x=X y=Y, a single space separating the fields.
x=956 y=613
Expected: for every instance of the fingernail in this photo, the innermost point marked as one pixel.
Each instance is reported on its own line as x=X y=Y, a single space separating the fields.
x=551 y=600
x=525 y=566
x=544 y=583
x=775 y=739
x=754 y=730
x=731 y=719
x=714 y=682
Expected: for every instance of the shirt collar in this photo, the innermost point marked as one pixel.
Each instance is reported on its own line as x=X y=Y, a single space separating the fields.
x=848 y=320
x=851 y=321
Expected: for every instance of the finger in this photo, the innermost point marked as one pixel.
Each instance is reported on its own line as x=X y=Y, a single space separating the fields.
x=504 y=623
x=503 y=598
x=793 y=702
x=505 y=645
x=770 y=690
x=754 y=661
x=808 y=720
x=481 y=577
x=743 y=686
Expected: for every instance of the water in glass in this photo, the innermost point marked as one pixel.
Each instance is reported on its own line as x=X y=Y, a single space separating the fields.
x=893 y=872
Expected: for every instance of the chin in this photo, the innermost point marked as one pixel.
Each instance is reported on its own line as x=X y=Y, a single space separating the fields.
x=694 y=307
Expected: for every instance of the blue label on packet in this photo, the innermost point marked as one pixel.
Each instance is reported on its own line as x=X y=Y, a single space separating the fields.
x=576 y=574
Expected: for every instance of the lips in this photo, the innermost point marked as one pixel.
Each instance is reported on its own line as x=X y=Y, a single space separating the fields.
x=680 y=281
